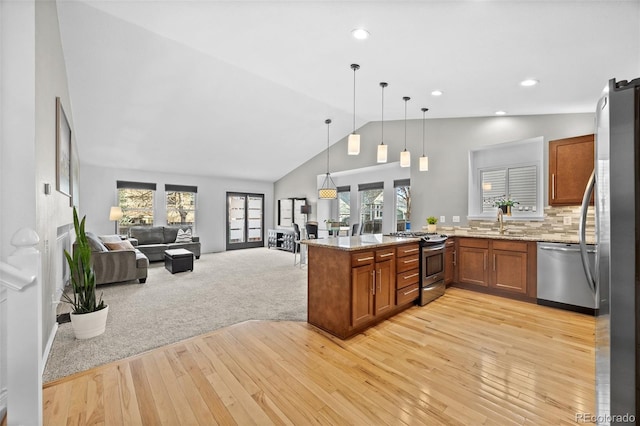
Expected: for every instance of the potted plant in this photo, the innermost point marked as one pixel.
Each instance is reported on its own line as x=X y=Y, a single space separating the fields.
x=431 y=223
x=88 y=315
x=505 y=204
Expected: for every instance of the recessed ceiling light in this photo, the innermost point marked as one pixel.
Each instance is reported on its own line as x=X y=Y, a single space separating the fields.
x=436 y=93
x=501 y=112
x=360 y=33
x=529 y=82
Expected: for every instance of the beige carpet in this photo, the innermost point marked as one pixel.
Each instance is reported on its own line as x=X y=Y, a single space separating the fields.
x=224 y=289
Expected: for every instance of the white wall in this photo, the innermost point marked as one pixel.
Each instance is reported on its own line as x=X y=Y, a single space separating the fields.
x=98 y=193
x=17 y=111
x=441 y=191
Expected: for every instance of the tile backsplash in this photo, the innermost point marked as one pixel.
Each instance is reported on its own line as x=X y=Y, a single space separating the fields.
x=555 y=224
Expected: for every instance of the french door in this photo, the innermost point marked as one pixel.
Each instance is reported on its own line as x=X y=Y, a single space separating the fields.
x=245 y=220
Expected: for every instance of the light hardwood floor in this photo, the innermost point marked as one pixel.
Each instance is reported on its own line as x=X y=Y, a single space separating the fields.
x=466 y=358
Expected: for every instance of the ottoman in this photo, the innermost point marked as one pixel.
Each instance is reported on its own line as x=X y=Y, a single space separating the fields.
x=178 y=260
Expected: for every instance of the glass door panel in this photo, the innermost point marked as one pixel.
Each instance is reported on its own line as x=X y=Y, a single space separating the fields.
x=245 y=220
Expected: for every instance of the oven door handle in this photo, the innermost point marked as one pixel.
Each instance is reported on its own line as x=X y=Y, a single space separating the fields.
x=433 y=248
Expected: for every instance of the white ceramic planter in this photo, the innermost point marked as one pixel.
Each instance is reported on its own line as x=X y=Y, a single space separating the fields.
x=431 y=228
x=86 y=326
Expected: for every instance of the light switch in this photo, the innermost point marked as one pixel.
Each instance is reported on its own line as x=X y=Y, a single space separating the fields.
x=456 y=219
x=442 y=219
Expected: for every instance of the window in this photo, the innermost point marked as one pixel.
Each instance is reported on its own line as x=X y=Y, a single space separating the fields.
x=344 y=205
x=513 y=183
x=181 y=204
x=371 y=206
x=403 y=204
x=511 y=170
x=136 y=201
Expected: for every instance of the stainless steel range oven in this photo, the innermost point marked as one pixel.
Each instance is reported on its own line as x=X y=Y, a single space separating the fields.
x=431 y=266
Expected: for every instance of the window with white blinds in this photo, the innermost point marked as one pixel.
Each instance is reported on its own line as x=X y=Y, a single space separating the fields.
x=518 y=184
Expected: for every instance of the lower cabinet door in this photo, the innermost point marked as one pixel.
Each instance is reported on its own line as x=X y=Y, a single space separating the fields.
x=509 y=271
x=473 y=266
x=362 y=295
x=385 y=286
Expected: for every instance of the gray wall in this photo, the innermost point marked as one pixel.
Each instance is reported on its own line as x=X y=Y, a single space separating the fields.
x=98 y=193
x=441 y=191
x=29 y=30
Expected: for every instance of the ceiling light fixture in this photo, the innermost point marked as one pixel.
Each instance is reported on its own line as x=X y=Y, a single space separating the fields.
x=353 y=143
x=529 y=82
x=328 y=190
x=501 y=112
x=436 y=93
x=424 y=160
x=360 y=34
x=405 y=156
x=382 y=148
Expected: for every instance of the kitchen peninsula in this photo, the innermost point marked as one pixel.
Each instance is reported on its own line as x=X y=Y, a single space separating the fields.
x=356 y=282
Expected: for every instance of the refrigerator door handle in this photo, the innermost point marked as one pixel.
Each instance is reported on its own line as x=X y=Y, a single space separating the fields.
x=581 y=230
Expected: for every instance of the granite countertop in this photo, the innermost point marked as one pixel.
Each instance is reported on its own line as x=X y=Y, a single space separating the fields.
x=359 y=242
x=518 y=235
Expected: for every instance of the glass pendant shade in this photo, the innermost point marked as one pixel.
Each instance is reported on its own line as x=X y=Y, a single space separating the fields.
x=382 y=153
x=405 y=159
x=353 y=144
x=424 y=164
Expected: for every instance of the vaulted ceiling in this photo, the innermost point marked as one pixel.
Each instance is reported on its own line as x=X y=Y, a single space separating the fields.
x=242 y=88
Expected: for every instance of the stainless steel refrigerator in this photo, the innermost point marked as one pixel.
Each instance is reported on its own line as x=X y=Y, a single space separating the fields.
x=615 y=274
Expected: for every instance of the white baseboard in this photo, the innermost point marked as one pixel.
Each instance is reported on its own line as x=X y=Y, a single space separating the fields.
x=47 y=349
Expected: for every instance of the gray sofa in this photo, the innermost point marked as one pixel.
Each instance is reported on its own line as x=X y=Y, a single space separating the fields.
x=154 y=240
x=114 y=266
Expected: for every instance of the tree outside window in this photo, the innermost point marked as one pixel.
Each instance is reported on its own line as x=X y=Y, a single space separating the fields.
x=403 y=208
x=181 y=208
x=137 y=207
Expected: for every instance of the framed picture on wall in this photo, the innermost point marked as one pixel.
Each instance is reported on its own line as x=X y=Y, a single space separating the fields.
x=63 y=151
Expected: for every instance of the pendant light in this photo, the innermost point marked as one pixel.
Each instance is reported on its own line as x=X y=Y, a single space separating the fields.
x=405 y=156
x=328 y=190
x=382 y=148
x=353 y=144
x=424 y=160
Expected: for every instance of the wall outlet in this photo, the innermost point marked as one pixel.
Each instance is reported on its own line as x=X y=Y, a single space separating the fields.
x=456 y=219
x=442 y=219
x=567 y=220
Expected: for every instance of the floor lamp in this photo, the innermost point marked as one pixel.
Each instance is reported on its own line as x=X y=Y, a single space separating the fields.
x=115 y=214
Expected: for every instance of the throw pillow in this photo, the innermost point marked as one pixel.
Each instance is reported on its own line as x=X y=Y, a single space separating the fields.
x=110 y=238
x=95 y=243
x=120 y=245
x=184 y=236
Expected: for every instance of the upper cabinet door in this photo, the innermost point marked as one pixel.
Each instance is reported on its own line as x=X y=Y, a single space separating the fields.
x=571 y=162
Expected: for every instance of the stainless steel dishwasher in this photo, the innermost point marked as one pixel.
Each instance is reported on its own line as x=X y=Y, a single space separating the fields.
x=561 y=277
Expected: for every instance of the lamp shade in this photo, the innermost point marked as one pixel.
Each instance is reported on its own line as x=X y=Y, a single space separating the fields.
x=405 y=159
x=382 y=153
x=305 y=209
x=115 y=213
x=424 y=163
x=353 y=144
x=328 y=193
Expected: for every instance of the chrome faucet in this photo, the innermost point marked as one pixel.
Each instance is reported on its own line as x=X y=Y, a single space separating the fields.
x=501 y=220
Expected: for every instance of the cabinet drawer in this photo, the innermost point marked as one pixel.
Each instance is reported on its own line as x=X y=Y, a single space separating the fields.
x=510 y=245
x=407 y=294
x=408 y=262
x=385 y=254
x=408 y=250
x=411 y=276
x=473 y=242
x=362 y=258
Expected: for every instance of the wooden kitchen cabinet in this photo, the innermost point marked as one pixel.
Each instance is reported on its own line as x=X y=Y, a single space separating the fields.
x=571 y=162
x=449 y=260
x=504 y=267
x=472 y=267
x=373 y=285
x=408 y=273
